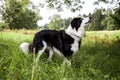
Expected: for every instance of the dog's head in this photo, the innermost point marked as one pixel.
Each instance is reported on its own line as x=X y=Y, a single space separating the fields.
x=77 y=23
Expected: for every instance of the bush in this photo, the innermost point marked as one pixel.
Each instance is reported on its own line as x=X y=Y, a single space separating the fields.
x=3 y=26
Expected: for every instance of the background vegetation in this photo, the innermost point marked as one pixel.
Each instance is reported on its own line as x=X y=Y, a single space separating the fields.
x=18 y=14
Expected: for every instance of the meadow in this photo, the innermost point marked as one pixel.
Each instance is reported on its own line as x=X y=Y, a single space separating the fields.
x=98 y=58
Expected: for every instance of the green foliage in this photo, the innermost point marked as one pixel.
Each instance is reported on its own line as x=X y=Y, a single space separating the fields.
x=105 y=20
x=96 y=21
x=98 y=59
x=116 y=17
x=26 y=19
x=105 y=1
x=108 y=21
x=57 y=23
x=17 y=14
x=73 y=5
x=3 y=25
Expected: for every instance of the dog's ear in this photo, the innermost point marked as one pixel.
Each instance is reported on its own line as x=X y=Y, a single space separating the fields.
x=76 y=22
x=73 y=22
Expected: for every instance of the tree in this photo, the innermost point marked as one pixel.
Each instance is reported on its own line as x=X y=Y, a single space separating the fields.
x=96 y=22
x=108 y=21
x=26 y=19
x=57 y=23
x=116 y=17
x=73 y=5
x=17 y=14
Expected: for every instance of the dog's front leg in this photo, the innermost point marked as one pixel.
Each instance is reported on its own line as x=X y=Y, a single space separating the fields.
x=50 y=55
x=40 y=52
x=66 y=61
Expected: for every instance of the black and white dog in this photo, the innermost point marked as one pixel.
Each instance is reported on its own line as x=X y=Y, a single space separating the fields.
x=64 y=42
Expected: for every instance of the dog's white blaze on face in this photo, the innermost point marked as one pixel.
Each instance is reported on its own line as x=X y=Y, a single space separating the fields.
x=85 y=22
x=81 y=30
x=25 y=47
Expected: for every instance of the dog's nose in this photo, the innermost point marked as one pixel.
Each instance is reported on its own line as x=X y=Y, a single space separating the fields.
x=90 y=19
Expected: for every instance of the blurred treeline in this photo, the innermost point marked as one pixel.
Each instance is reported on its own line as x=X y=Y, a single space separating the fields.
x=19 y=14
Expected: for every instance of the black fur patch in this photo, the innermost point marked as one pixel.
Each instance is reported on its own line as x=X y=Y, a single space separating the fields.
x=76 y=22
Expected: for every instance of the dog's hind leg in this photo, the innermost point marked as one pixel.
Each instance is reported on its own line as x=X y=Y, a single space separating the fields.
x=50 y=55
x=67 y=61
x=40 y=52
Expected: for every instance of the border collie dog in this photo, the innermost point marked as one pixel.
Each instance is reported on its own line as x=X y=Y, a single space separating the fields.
x=64 y=42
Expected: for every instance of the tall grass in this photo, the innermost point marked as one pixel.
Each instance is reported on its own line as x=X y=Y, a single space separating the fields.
x=98 y=59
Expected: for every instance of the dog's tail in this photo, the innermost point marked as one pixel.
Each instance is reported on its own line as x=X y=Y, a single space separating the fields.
x=25 y=47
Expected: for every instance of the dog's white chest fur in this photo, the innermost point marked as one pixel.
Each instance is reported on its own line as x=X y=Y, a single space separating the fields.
x=75 y=46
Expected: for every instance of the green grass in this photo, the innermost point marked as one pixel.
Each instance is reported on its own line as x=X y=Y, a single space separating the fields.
x=98 y=59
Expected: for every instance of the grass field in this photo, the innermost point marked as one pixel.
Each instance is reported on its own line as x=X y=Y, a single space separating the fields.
x=98 y=59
